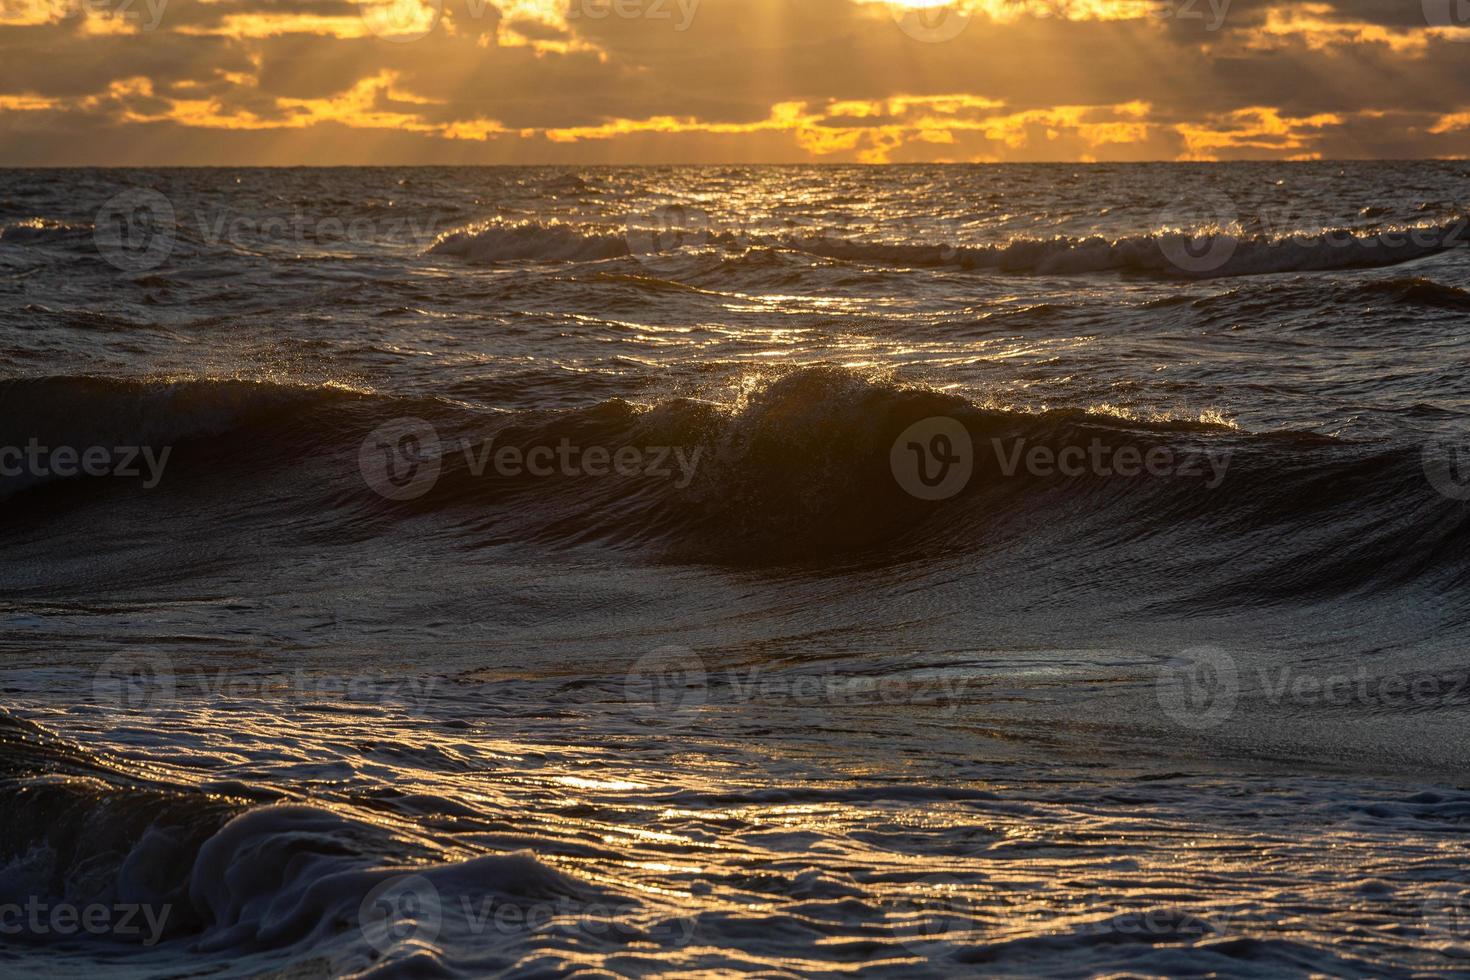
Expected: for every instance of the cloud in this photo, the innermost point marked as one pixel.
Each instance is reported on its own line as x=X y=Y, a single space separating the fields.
x=484 y=81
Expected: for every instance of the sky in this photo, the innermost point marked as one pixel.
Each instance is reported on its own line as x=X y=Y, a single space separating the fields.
x=319 y=82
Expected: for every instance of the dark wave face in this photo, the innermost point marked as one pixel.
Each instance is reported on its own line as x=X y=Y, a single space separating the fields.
x=696 y=568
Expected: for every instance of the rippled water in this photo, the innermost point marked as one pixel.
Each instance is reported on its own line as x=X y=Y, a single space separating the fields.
x=1034 y=570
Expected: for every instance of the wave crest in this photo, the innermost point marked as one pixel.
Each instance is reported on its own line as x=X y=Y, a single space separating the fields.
x=1170 y=254
x=1164 y=253
x=491 y=242
x=801 y=471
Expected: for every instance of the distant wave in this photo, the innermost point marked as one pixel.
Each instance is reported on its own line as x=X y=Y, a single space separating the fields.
x=41 y=231
x=489 y=243
x=1166 y=254
x=1169 y=254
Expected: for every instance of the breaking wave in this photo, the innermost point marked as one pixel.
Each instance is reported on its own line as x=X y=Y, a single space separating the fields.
x=800 y=471
x=489 y=243
x=1167 y=254
x=42 y=231
x=228 y=873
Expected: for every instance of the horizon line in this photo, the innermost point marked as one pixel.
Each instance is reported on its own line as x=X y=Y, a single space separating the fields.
x=657 y=166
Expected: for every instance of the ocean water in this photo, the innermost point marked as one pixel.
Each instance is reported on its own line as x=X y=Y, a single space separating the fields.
x=1019 y=570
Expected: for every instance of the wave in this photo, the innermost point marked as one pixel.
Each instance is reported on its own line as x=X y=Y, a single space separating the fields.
x=42 y=231
x=1166 y=254
x=492 y=242
x=82 y=830
x=227 y=874
x=803 y=471
x=85 y=412
x=1416 y=291
x=77 y=409
x=807 y=469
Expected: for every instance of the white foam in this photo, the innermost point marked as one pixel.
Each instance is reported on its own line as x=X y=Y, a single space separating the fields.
x=492 y=242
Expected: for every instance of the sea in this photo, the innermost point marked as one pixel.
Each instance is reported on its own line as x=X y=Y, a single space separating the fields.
x=1014 y=570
